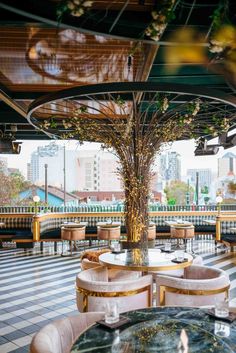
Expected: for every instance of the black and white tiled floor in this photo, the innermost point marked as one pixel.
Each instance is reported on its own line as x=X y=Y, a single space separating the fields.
x=36 y=288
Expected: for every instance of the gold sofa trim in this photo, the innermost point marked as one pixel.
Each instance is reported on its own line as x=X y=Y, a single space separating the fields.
x=86 y=293
x=165 y=289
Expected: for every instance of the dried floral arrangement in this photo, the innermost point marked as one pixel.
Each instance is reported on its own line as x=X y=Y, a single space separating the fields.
x=135 y=125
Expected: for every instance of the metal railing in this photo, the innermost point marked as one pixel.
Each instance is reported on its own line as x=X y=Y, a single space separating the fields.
x=111 y=208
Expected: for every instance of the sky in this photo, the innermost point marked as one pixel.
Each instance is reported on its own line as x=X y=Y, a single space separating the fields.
x=184 y=148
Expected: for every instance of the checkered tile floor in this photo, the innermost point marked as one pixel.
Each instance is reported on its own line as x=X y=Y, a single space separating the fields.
x=36 y=288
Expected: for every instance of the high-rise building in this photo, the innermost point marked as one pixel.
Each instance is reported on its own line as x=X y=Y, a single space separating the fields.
x=204 y=177
x=227 y=166
x=52 y=155
x=85 y=170
x=29 y=172
x=98 y=171
x=3 y=165
x=170 y=166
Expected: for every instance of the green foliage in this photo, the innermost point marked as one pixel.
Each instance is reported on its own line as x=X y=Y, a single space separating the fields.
x=204 y=190
x=206 y=199
x=177 y=191
x=53 y=124
x=220 y=15
x=10 y=187
x=171 y=202
x=119 y=101
x=232 y=188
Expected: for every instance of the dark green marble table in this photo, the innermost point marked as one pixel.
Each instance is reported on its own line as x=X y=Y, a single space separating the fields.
x=162 y=330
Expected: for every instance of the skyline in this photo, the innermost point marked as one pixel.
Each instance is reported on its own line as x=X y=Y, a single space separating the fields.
x=184 y=148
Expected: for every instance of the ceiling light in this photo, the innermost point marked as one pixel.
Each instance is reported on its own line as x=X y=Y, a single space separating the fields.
x=227 y=141
x=205 y=150
x=9 y=147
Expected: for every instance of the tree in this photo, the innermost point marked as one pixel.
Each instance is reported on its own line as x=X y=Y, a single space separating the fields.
x=134 y=119
x=204 y=189
x=206 y=199
x=232 y=188
x=177 y=191
x=10 y=186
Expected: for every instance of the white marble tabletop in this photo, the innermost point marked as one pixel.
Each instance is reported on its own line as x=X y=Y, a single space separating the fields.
x=151 y=260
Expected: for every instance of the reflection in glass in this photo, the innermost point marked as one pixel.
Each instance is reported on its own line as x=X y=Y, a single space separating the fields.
x=137 y=257
x=222 y=329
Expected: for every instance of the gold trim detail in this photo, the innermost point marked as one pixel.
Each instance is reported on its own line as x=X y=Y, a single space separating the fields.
x=88 y=293
x=167 y=289
x=36 y=229
x=218 y=229
x=147 y=268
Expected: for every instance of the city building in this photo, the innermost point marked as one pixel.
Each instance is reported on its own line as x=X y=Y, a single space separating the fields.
x=84 y=170
x=53 y=157
x=170 y=166
x=97 y=170
x=110 y=196
x=204 y=177
x=29 y=172
x=13 y=171
x=3 y=165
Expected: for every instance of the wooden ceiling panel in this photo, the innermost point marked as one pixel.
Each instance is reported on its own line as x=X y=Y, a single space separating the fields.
x=45 y=59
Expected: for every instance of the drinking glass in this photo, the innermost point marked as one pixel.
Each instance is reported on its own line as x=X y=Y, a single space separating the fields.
x=111 y=312
x=222 y=308
x=116 y=247
x=179 y=255
x=167 y=246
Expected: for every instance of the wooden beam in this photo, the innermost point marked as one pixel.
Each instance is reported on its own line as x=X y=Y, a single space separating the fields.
x=150 y=52
x=11 y=103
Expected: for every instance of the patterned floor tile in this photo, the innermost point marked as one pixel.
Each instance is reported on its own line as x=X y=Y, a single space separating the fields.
x=37 y=288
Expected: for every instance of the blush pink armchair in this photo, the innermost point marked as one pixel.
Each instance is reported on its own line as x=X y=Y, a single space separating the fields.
x=59 y=336
x=200 y=286
x=93 y=290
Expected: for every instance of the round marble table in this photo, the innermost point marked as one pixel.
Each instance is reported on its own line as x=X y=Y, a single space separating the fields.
x=148 y=260
x=161 y=330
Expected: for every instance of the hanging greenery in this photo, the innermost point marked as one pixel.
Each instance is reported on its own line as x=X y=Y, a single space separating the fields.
x=135 y=129
x=161 y=16
x=75 y=8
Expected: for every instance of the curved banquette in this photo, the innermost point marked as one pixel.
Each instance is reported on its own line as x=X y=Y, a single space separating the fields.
x=27 y=228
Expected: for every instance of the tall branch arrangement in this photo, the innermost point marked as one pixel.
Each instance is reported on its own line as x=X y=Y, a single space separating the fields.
x=135 y=125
